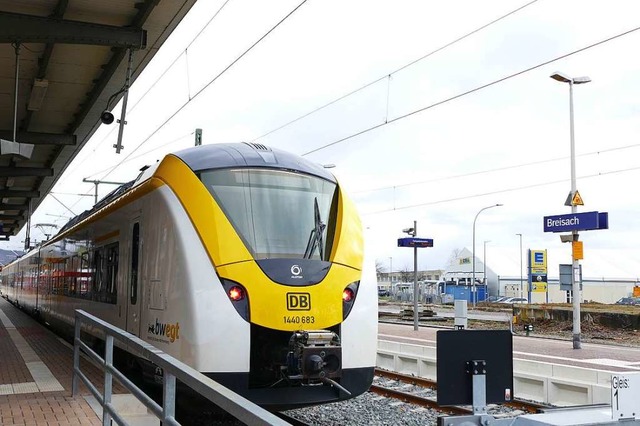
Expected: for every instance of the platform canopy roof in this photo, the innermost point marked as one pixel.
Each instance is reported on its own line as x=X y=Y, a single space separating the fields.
x=72 y=57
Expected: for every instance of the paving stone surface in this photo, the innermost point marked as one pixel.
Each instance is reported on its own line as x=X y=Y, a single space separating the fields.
x=36 y=372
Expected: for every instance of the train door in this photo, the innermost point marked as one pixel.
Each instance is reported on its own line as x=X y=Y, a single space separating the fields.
x=134 y=300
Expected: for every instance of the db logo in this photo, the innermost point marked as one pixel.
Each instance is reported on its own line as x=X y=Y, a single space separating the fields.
x=298 y=301
x=296 y=270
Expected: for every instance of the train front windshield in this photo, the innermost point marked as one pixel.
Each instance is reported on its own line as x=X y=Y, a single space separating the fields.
x=278 y=214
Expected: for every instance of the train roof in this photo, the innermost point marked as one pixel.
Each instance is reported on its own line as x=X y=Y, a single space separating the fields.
x=217 y=156
x=228 y=155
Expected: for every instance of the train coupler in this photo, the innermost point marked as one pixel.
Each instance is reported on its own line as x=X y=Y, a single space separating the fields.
x=314 y=355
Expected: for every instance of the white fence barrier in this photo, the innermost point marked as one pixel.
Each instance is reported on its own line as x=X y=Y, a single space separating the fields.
x=545 y=382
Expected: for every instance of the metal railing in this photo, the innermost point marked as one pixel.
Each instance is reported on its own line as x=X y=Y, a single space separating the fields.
x=234 y=404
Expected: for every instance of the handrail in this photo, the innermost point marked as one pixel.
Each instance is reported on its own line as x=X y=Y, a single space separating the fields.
x=234 y=404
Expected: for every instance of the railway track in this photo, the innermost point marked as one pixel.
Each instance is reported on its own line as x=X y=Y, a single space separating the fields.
x=430 y=401
x=291 y=420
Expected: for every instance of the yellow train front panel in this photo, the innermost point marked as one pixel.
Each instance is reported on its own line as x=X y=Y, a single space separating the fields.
x=284 y=307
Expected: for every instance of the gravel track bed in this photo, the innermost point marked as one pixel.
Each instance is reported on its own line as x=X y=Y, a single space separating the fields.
x=372 y=409
x=367 y=409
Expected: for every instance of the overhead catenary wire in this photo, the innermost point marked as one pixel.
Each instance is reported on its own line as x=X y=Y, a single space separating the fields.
x=496 y=169
x=153 y=85
x=89 y=194
x=209 y=83
x=499 y=191
x=63 y=204
x=129 y=157
x=172 y=141
x=468 y=92
x=388 y=76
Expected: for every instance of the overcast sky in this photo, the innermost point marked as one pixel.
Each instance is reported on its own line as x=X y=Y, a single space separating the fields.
x=507 y=143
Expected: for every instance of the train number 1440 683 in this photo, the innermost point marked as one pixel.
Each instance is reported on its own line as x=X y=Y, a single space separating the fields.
x=299 y=319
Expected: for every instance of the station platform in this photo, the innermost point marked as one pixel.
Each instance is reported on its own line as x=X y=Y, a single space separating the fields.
x=36 y=369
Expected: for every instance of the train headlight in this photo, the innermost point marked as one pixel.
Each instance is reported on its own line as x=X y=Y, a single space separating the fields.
x=236 y=293
x=238 y=296
x=349 y=297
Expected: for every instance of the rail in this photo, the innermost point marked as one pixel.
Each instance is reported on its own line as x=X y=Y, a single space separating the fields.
x=234 y=404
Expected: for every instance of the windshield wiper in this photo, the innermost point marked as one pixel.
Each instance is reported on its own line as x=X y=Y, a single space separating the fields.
x=315 y=237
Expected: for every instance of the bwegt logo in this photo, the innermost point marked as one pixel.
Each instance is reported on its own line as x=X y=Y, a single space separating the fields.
x=171 y=331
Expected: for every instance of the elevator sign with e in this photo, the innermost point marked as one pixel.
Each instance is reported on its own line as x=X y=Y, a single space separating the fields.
x=538 y=271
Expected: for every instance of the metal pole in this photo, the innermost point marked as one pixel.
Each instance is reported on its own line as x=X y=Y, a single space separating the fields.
x=76 y=356
x=415 y=279
x=168 y=397
x=98 y=182
x=521 y=278
x=575 y=285
x=473 y=260
x=390 y=271
x=108 y=380
x=118 y=146
x=473 y=264
x=484 y=263
x=15 y=99
x=27 y=239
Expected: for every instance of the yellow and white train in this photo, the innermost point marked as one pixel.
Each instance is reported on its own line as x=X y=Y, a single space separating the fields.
x=242 y=261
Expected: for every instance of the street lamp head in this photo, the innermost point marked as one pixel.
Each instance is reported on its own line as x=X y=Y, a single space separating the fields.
x=581 y=80
x=499 y=205
x=561 y=77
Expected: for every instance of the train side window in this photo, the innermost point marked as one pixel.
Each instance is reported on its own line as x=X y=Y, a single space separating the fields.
x=72 y=273
x=98 y=275
x=111 y=284
x=135 y=252
x=86 y=277
x=105 y=288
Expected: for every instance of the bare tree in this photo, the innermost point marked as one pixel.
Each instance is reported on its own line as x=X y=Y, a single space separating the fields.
x=380 y=269
x=406 y=275
x=454 y=255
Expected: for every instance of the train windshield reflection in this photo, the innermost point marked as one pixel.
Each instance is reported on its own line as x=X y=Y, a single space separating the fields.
x=274 y=210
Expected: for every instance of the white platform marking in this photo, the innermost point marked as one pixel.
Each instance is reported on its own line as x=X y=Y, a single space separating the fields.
x=44 y=380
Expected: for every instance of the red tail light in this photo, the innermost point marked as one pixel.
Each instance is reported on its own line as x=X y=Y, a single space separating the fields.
x=236 y=293
x=347 y=295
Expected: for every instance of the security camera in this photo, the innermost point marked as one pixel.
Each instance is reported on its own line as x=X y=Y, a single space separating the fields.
x=569 y=238
x=106 y=117
x=408 y=230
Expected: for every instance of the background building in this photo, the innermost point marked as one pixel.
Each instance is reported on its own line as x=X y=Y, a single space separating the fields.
x=606 y=277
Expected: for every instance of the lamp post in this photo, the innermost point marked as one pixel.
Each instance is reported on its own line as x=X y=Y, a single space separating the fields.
x=473 y=260
x=390 y=271
x=520 y=235
x=575 y=285
x=484 y=262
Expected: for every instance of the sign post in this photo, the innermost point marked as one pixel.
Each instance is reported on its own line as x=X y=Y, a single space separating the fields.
x=415 y=243
x=575 y=222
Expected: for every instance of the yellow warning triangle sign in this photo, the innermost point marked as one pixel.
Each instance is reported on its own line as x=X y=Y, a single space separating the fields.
x=577 y=199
